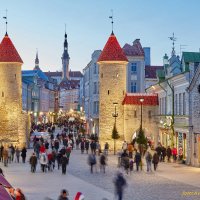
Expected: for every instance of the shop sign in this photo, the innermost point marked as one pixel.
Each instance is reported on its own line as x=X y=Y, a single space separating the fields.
x=180 y=139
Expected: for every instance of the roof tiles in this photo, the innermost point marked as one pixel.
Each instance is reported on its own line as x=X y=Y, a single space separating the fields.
x=112 y=51
x=134 y=50
x=8 y=52
x=134 y=99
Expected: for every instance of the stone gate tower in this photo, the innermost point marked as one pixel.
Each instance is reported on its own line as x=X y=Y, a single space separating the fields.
x=13 y=121
x=112 y=89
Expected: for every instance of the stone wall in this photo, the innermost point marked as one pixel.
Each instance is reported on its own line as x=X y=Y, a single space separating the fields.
x=112 y=89
x=132 y=121
x=10 y=102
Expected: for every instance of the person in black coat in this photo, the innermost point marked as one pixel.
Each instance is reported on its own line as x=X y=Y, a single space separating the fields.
x=23 y=154
x=64 y=163
x=137 y=160
x=120 y=183
x=82 y=146
x=155 y=160
x=87 y=144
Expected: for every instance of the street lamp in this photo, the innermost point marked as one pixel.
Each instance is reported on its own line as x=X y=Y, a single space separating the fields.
x=141 y=101
x=115 y=114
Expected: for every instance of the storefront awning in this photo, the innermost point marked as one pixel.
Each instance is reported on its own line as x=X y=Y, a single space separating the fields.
x=4 y=195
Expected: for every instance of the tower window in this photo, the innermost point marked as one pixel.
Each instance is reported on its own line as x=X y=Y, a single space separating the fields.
x=149 y=114
x=108 y=92
x=135 y=113
x=15 y=76
x=101 y=75
x=2 y=94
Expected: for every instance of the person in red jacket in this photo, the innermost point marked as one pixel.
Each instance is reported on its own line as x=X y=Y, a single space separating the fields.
x=42 y=149
x=174 y=153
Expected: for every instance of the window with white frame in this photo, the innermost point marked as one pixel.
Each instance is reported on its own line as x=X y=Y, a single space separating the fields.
x=133 y=67
x=133 y=87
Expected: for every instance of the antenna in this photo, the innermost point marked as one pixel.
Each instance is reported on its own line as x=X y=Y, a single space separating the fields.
x=65 y=28
x=112 y=22
x=6 y=19
x=173 y=40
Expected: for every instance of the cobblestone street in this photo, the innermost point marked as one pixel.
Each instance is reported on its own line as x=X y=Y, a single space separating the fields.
x=170 y=182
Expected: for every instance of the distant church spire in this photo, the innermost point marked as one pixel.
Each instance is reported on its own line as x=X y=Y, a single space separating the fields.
x=65 y=59
x=37 y=62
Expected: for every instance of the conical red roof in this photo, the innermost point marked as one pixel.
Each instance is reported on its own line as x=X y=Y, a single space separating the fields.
x=112 y=51
x=8 y=53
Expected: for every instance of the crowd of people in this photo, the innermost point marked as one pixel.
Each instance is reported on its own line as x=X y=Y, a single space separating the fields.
x=54 y=152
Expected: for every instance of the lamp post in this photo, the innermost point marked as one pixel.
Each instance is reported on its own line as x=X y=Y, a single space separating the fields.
x=114 y=132
x=115 y=114
x=141 y=101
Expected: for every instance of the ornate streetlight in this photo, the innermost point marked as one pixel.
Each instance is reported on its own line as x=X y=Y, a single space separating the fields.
x=115 y=114
x=141 y=101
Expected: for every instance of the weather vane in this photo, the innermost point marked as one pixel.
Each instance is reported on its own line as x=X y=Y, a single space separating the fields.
x=111 y=17
x=6 y=18
x=173 y=40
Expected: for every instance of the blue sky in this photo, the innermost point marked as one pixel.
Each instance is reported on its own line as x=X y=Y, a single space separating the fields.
x=39 y=24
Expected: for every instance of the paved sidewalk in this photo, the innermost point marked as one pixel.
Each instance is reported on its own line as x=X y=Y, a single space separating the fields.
x=168 y=183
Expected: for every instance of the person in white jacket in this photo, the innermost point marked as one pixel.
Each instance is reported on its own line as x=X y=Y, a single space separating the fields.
x=43 y=161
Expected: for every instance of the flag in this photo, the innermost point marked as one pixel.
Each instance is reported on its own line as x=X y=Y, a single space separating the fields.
x=110 y=17
x=5 y=17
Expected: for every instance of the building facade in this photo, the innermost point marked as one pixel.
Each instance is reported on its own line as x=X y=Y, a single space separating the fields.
x=91 y=93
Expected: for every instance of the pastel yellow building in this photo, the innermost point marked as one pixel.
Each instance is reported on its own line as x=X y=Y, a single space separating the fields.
x=13 y=121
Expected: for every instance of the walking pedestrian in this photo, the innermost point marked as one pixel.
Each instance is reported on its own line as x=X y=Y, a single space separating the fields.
x=17 y=154
x=87 y=144
x=169 y=153
x=137 y=160
x=82 y=146
x=92 y=161
x=174 y=153
x=23 y=154
x=102 y=162
x=148 y=158
x=120 y=183
x=5 y=157
x=33 y=162
x=155 y=161
x=64 y=163
x=64 y=195
x=43 y=161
